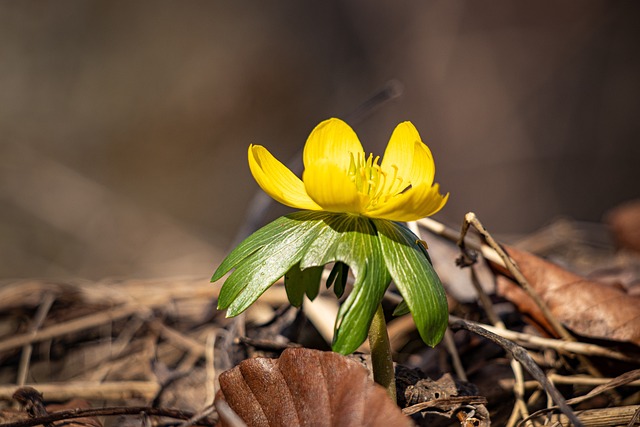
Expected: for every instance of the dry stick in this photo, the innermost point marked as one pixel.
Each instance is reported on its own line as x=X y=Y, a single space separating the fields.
x=210 y=409
x=90 y=390
x=614 y=416
x=455 y=356
x=123 y=340
x=210 y=354
x=471 y=219
x=25 y=357
x=100 y=368
x=177 y=338
x=628 y=378
x=634 y=420
x=75 y=325
x=528 y=340
x=109 y=411
x=453 y=236
x=520 y=408
x=524 y=358
x=568 y=379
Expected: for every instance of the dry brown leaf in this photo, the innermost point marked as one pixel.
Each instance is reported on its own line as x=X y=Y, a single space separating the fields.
x=624 y=221
x=588 y=308
x=307 y=387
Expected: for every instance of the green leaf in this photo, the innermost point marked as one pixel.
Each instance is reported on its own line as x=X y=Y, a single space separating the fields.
x=338 y=278
x=297 y=282
x=274 y=230
x=415 y=278
x=401 y=309
x=263 y=258
x=351 y=240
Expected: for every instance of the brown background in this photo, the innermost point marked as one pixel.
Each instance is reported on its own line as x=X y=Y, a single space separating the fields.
x=124 y=125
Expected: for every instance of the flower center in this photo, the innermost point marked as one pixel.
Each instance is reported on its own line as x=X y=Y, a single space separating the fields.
x=372 y=181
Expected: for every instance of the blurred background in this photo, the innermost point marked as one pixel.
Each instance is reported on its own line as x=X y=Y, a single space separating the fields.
x=124 y=125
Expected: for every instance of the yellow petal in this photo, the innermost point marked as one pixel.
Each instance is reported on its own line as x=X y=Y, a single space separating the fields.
x=277 y=180
x=330 y=187
x=415 y=203
x=333 y=140
x=410 y=155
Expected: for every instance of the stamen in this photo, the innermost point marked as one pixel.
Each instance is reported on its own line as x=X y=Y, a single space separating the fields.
x=372 y=181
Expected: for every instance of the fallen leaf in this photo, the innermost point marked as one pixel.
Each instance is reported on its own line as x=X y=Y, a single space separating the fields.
x=307 y=387
x=588 y=308
x=624 y=221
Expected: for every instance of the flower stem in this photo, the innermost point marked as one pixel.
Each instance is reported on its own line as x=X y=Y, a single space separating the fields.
x=383 y=372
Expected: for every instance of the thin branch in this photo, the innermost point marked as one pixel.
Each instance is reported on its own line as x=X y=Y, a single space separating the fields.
x=523 y=357
x=75 y=325
x=109 y=411
x=471 y=219
x=533 y=341
x=25 y=358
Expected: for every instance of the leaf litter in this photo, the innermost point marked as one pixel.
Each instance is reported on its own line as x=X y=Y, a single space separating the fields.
x=151 y=352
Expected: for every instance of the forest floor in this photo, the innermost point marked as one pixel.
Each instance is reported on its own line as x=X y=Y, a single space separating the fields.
x=149 y=352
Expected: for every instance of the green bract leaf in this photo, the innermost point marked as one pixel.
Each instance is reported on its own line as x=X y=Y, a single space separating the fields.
x=415 y=278
x=298 y=282
x=401 y=309
x=351 y=240
x=338 y=278
x=264 y=257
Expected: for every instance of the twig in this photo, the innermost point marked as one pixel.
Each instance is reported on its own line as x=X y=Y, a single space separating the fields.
x=627 y=378
x=533 y=341
x=471 y=219
x=117 y=390
x=75 y=325
x=109 y=411
x=120 y=344
x=614 y=416
x=634 y=420
x=443 y=403
x=178 y=339
x=210 y=354
x=453 y=236
x=455 y=356
x=520 y=407
x=210 y=409
x=523 y=357
x=25 y=357
x=567 y=379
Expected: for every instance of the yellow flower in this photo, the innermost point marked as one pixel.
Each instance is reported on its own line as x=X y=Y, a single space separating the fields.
x=339 y=177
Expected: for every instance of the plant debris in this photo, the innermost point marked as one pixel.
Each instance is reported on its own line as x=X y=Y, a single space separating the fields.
x=152 y=352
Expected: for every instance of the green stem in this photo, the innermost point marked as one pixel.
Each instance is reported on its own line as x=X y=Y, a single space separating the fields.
x=383 y=372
